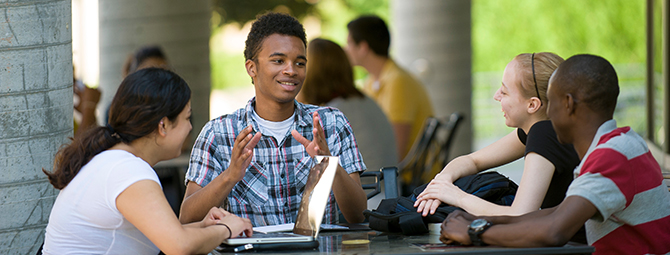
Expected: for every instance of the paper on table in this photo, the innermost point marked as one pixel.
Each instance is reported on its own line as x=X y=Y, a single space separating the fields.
x=289 y=226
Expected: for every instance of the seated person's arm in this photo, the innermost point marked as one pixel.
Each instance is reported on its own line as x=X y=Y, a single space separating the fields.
x=501 y=152
x=144 y=205
x=198 y=200
x=349 y=195
x=442 y=190
x=537 y=175
x=550 y=227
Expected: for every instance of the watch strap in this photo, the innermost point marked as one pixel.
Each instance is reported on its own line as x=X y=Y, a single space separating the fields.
x=475 y=236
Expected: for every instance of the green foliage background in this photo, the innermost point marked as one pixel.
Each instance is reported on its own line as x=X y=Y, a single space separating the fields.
x=501 y=29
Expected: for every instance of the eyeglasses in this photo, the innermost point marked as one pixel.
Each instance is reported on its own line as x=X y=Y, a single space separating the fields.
x=532 y=65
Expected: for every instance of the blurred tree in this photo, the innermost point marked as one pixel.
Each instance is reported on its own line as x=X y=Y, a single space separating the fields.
x=244 y=11
x=501 y=29
x=230 y=11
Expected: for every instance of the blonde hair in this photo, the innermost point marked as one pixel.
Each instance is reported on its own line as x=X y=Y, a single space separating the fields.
x=544 y=64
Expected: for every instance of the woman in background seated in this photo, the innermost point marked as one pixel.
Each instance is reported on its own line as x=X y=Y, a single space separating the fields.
x=548 y=165
x=111 y=199
x=330 y=82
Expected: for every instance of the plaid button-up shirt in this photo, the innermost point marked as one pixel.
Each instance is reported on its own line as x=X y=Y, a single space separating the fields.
x=271 y=190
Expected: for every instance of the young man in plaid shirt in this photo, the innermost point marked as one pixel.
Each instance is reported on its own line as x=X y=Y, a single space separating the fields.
x=255 y=161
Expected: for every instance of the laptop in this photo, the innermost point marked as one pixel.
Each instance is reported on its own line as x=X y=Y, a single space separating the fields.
x=310 y=213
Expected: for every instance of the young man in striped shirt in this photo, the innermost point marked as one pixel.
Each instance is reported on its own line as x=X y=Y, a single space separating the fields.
x=619 y=192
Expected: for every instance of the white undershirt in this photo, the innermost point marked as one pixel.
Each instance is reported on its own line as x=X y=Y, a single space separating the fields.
x=276 y=129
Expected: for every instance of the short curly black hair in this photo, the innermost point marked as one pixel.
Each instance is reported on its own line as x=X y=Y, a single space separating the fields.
x=268 y=24
x=592 y=80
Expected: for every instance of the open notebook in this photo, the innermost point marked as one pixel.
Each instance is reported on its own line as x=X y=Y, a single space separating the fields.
x=310 y=214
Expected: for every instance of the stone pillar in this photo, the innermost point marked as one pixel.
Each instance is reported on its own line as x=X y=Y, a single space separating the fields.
x=180 y=27
x=35 y=115
x=431 y=38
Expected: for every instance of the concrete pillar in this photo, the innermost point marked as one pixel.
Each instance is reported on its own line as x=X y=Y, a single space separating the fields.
x=431 y=38
x=180 y=27
x=35 y=115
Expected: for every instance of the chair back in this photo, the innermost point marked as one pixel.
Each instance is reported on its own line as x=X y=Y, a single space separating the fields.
x=430 y=152
x=388 y=175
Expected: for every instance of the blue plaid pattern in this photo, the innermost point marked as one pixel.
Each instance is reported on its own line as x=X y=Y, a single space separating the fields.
x=271 y=190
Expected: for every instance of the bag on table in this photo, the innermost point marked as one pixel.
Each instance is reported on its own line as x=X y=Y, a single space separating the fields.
x=399 y=214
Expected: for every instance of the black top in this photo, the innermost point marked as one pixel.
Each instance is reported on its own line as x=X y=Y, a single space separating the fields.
x=542 y=140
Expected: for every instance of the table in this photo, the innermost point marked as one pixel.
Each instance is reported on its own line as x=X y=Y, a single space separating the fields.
x=391 y=243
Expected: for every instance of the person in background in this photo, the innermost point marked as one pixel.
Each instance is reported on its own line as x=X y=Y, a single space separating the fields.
x=548 y=164
x=256 y=161
x=110 y=198
x=330 y=82
x=619 y=192
x=401 y=96
x=85 y=102
x=145 y=57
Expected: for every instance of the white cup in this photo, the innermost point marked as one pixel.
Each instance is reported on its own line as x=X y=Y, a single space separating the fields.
x=434 y=228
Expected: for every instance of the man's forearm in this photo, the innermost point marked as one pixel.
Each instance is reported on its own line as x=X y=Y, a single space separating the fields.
x=548 y=227
x=515 y=219
x=349 y=196
x=196 y=204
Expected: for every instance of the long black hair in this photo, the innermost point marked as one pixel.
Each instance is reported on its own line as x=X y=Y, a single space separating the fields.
x=142 y=100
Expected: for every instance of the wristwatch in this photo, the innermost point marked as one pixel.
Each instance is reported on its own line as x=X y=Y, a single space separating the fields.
x=475 y=230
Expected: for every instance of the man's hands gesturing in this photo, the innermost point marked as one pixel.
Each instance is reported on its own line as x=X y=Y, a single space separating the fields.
x=243 y=151
x=318 y=146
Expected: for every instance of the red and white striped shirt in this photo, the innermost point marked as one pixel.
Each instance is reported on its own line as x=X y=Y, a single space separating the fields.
x=620 y=177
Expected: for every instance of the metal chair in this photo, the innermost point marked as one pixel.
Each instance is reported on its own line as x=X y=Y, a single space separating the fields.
x=430 y=152
x=386 y=174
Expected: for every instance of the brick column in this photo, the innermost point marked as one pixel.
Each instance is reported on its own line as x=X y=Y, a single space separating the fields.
x=431 y=38
x=35 y=115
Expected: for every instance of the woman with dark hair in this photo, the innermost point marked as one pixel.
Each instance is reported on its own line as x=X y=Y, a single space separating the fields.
x=111 y=199
x=330 y=82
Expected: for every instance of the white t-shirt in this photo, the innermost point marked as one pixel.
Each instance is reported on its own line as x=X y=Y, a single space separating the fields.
x=276 y=129
x=84 y=218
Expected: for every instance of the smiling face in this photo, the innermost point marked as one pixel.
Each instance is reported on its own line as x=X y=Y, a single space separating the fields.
x=513 y=103
x=278 y=70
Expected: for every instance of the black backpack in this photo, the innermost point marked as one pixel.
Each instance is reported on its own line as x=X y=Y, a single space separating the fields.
x=399 y=214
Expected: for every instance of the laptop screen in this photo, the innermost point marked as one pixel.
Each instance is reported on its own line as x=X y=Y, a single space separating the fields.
x=315 y=196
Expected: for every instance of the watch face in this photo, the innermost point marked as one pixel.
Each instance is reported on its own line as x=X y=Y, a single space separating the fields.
x=478 y=223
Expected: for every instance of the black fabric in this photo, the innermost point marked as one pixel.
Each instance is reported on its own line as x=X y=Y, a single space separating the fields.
x=399 y=214
x=541 y=139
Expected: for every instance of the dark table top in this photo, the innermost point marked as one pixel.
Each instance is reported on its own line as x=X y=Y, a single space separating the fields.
x=391 y=243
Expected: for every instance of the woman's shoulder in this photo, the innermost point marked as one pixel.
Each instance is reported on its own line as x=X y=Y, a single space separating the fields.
x=119 y=161
x=542 y=128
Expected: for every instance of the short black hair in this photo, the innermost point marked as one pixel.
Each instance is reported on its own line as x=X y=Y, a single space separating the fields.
x=268 y=24
x=373 y=30
x=593 y=81
x=144 y=53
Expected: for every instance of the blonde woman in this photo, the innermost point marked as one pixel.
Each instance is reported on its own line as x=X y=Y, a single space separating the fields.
x=548 y=164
